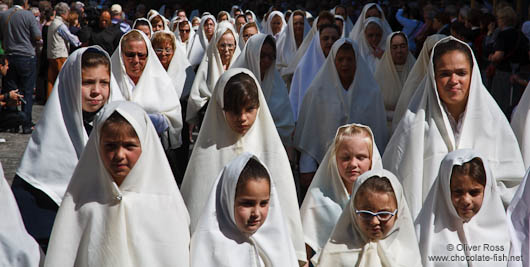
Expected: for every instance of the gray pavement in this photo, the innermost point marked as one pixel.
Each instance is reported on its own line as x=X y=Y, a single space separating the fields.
x=11 y=151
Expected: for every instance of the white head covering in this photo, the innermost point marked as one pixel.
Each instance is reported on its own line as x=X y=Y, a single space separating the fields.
x=417 y=74
x=273 y=86
x=518 y=224
x=60 y=136
x=165 y=21
x=199 y=44
x=521 y=125
x=255 y=18
x=268 y=27
x=242 y=42
x=365 y=49
x=389 y=80
x=439 y=225
x=327 y=195
x=218 y=237
x=286 y=44
x=18 y=248
x=218 y=144
x=184 y=46
x=343 y=35
x=424 y=136
x=179 y=70
x=154 y=92
x=348 y=24
x=358 y=28
x=142 y=222
x=305 y=73
x=348 y=246
x=209 y=71
x=327 y=105
x=148 y=23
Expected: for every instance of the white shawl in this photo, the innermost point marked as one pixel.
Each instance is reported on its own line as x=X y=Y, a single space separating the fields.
x=305 y=73
x=165 y=21
x=17 y=247
x=268 y=28
x=254 y=18
x=286 y=45
x=518 y=224
x=185 y=47
x=417 y=74
x=142 y=222
x=327 y=105
x=242 y=42
x=60 y=136
x=273 y=86
x=348 y=24
x=218 y=242
x=521 y=125
x=358 y=28
x=148 y=23
x=218 y=144
x=348 y=246
x=327 y=196
x=209 y=72
x=199 y=43
x=389 y=80
x=154 y=92
x=366 y=50
x=424 y=136
x=438 y=224
x=300 y=52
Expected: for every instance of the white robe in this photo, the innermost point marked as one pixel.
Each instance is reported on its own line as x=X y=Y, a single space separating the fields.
x=142 y=222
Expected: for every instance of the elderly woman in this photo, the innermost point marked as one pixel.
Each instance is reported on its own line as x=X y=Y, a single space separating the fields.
x=453 y=110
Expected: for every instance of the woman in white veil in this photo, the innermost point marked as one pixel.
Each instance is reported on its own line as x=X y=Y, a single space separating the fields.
x=200 y=42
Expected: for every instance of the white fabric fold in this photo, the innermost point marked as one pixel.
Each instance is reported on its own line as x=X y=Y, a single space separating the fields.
x=218 y=242
x=274 y=89
x=424 y=136
x=142 y=222
x=148 y=23
x=286 y=44
x=358 y=27
x=300 y=52
x=218 y=144
x=199 y=43
x=185 y=47
x=327 y=196
x=348 y=24
x=365 y=49
x=439 y=226
x=521 y=125
x=519 y=225
x=268 y=28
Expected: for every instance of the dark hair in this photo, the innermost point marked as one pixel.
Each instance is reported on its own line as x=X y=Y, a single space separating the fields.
x=474 y=169
x=348 y=47
x=117 y=125
x=19 y=2
x=402 y=34
x=240 y=91
x=270 y=41
x=253 y=170
x=326 y=15
x=156 y=19
x=443 y=18
x=93 y=58
x=451 y=45
x=141 y=23
x=474 y=17
x=460 y=29
x=333 y=26
x=375 y=184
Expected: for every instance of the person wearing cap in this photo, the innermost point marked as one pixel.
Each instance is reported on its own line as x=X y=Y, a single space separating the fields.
x=117 y=18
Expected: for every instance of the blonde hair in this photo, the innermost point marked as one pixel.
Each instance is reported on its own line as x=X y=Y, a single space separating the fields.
x=160 y=38
x=351 y=131
x=508 y=15
x=131 y=36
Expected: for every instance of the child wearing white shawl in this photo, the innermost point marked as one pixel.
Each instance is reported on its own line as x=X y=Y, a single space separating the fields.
x=369 y=10
x=209 y=71
x=273 y=87
x=393 y=244
x=138 y=222
x=428 y=131
x=452 y=221
x=391 y=76
x=218 y=143
x=200 y=42
x=220 y=240
x=328 y=194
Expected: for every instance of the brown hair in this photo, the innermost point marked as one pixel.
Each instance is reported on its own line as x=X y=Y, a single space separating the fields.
x=253 y=170
x=326 y=15
x=474 y=169
x=93 y=58
x=375 y=184
x=159 y=39
x=451 y=45
x=117 y=125
x=156 y=19
x=131 y=36
x=240 y=91
x=248 y=25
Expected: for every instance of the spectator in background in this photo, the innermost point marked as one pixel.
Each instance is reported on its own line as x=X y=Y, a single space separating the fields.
x=409 y=18
x=117 y=18
x=452 y=11
x=73 y=22
x=59 y=41
x=10 y=117
x=19 y=32
x=47 y=16
x=104 y=33
x=441 y=22
x=181 y=13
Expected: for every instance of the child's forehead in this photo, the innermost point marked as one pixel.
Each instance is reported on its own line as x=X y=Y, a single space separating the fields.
x=118 y=130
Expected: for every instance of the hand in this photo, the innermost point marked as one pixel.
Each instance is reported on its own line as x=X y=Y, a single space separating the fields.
x=13 y=94
x=190 y=129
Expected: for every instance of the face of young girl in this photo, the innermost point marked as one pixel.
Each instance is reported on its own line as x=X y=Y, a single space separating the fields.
x=466 y=195
x=241 y=123
x=375 y=229
x=353 y=159
x=252 y=205
x=119 y=153
x=95 y=87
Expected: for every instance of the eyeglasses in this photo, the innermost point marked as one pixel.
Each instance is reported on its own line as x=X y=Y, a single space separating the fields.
x=186 y=31
x=131 y=55
x=161 y=51
x=227 y=46
x=382 y=215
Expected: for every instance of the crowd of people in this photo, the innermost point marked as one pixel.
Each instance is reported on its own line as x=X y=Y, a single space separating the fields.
x=330 y=134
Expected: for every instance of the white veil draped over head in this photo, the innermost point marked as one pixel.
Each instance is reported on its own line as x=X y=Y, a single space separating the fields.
x=348 y=24
x=518 y=223
x=273 y=86
x=209 y=72
x=165 y=21
x=142 y=222
x=18 y=248
x=268 y=28
x=218 y=144
x=389 y=80
x=185 y=47
x=424 y=136
x=154 y=92
x=328 y=105
x=286 y=44
x=218 y=242
x=327 y=196
x=365 y=49
x=300 y=52
x=146 y=20
x=521 y=125
x=358 y=28
x=418 y=72
x=348 y=246
x=439 y=224
x=199 y=44
x=60 y=135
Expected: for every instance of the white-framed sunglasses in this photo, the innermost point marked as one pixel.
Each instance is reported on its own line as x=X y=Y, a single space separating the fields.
x=382 y=215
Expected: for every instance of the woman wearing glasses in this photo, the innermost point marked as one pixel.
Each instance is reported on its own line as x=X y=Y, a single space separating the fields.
x=375 y=228
x=142 y=79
